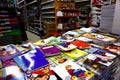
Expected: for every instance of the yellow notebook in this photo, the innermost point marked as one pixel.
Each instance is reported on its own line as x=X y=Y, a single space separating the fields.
x=76 y=53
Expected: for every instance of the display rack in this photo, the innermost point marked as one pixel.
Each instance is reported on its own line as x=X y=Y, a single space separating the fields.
x=84 y=6
x=9 y=26
x=31 y=10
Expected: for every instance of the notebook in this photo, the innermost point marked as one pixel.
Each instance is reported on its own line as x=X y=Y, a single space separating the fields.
x=50 y=50
x=76 y=53
x=8 y=52
x=31 y=60
x=80 y=44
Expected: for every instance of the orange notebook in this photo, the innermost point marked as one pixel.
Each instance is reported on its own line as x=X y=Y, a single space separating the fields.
x=80 y=44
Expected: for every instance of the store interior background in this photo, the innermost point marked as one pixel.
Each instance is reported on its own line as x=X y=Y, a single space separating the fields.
x=40 y=19
x=37 y=20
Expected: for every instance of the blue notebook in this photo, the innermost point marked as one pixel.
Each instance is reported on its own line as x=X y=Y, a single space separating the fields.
x=31 y=60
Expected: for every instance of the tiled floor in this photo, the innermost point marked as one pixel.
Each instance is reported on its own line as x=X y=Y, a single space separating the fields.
x=31 y=37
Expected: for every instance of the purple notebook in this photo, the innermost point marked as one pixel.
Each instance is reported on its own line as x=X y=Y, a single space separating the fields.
x=8 y=52
x=50 y=50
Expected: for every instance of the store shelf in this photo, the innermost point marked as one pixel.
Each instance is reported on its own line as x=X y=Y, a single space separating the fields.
x=48 y=13
x=47 y=2
x=48 y=7
x=20 y=2
x=80 y=1
x=31 y=2
x=49 y=17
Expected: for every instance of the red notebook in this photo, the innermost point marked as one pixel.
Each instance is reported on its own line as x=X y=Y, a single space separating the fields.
x=80 y=44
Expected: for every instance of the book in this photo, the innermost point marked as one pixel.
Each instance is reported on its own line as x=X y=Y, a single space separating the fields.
x=31 y=60
x=92 y=49
x=9 y=63
x=61 y=58
x=113 y=48
x=81 y=44
x=93 y=66
x=2 y=73
x=1 y=64
x=25 y=47
x=66 y=38
x=75 y=34
x=85 y=39
x=14 y=73
x=66 y=46
x=51 y=40
x=72 y=71
x=104 y=57
x=76 y=53
x=43 y=73
x=50 y=50
x=8 y=52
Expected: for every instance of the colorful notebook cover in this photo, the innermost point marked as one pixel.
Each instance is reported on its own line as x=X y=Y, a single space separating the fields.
x=73 y=71
x=61 y=58
x=104 y=38
x=9 y=63
x=94 y=66
x=26 y=47
x=2 y=73
x=1 y=65
x=92 y=49
x=50 y=50
x=76 y=53
x=51 y=40
x=113 y=48
x=85 y=39
x=76 y=34
x=66 y=46
x=14 y=73
x=8 y=52
x=31 y=60
x=104 y=57
x=80 y=44
x=43 y=73
x=66 y=38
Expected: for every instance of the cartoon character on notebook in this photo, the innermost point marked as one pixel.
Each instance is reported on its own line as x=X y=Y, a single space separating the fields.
x=41 y=77
x=75 y=73
x=7 y=51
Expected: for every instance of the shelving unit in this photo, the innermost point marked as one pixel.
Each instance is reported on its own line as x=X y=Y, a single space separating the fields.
x=67 y=15
x=31 y=10
x=84 y=6
x=9 y=27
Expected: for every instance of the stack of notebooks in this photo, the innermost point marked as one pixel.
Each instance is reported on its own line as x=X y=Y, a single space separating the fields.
x=58 y=60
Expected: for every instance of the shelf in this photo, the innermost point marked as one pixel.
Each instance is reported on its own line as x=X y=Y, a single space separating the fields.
x=20 y=2
x=48 y=7
x=35 y=32
x=48 y=13
x=69 y=9
x=68 y=16
x=47 y=2
x=31 y=2
x=82 y=1
x=48 y=22
x=49 y=17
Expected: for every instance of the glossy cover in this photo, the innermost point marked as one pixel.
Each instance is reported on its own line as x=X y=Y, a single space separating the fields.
x=32 y=60
x=76 y=53
x=8 y=52
x=50 y=50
